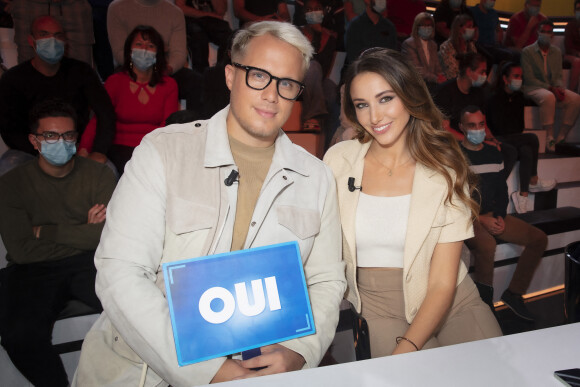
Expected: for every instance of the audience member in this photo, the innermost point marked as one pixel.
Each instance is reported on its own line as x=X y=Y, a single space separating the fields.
x=75 y=16
x=523 y=26
x=461 y=41
x=444 y=15
x=404 y=227
x=505 y=119
x=421 y=50
x=455 y=94
x=490 y=35
x=204 y=20
x=402 y=14
x=52 y=211
x=153 y=206
x=572 y=45
x=50 y=75
x=322 y=39
x=142 y=95
x=493 y=222
x=542 y=72
x=258 y=10
x=370 y=29
x=168 y=20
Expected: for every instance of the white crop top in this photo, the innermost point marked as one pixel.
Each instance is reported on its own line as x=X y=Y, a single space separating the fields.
x=381 y=227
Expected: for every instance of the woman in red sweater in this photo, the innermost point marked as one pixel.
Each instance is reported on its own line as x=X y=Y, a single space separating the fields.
x=142 y=94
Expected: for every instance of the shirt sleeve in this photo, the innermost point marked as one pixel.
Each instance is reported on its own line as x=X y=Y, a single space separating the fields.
x=458 y=223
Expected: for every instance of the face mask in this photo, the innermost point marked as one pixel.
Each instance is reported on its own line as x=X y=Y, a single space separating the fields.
x=544 y=39
x=577 y=13
x=58 y=153
x=314 y=17
x=425 y=32
x=479 y=81
x=515 y=84
x=533 y=11
x=455 y=3
x=50 y=50
x=380 y=5
x=143 y=59
x=476 y=137
x=489 y=4
x=468 y=33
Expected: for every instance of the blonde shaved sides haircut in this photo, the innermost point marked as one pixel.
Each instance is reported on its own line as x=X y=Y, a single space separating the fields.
x=286 y=32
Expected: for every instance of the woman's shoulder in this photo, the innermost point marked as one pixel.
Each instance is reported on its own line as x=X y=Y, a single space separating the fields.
x=344 y=149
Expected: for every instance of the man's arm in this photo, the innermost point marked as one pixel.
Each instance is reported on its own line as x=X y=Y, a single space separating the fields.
x=101 y=104
x=219 y=7
x=128 y=263
x=532 y=24
x=117 y=32
x=177 y=55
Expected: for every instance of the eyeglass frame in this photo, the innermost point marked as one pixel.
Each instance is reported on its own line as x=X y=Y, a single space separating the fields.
x=278 y=79
x=58 y=136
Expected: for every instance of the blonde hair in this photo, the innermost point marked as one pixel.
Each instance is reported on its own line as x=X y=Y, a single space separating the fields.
x=429 y=144
x=286 y=32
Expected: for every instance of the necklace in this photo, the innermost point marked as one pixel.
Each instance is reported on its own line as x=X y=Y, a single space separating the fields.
x=389 y=170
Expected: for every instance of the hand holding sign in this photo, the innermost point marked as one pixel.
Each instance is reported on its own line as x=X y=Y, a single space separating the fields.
x=275 y=358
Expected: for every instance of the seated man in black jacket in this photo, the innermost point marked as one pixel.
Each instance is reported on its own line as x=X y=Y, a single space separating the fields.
x=493 y=221
x=50 y=74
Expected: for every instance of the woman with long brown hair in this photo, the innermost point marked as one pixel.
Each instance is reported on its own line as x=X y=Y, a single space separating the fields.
x=404 y=190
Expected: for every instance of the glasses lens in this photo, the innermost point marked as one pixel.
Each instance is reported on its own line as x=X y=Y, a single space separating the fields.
x=50 y=137
x=289 y=89
x=70 y=136
x=258 y=79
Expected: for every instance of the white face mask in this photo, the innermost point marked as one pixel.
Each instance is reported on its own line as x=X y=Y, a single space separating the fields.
x=479 y=81
x=515 y=84
x=380 y=5
x=468 y=33
x=314 y=17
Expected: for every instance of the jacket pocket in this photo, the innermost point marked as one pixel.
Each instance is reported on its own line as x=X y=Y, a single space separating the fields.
x=303 y=222
x=185 y=216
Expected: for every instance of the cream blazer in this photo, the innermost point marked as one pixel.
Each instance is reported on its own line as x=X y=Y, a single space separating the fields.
x=431 y=221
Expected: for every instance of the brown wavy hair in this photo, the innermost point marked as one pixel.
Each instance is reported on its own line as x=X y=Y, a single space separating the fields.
x=428 y=143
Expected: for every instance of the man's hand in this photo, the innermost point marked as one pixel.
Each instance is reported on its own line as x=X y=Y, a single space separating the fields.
x=36 y=231
x=495 y=226
x=98 y=157
x=231 y=369
x=276 y=358
x=559 y=93
x=97 y=214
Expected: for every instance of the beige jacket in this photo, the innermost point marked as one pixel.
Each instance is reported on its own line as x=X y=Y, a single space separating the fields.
x=431 y=221
x=172 y=204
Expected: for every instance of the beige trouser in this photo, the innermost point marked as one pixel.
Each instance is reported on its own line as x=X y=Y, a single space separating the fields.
x=547 y=102
x=383 y=307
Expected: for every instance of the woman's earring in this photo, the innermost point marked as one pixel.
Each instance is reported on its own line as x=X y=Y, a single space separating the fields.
x=131 y=65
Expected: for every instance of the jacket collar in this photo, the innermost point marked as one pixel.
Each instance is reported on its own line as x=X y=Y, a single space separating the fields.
x=218 y=153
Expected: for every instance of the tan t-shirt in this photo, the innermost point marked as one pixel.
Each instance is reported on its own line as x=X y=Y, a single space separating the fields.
x=253 y=165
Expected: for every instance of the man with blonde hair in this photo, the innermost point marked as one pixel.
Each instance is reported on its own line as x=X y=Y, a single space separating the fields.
x=232 y=182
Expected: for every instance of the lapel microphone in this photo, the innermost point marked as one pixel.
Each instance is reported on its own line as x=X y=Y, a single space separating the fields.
x=351 y=186
x=231 y=178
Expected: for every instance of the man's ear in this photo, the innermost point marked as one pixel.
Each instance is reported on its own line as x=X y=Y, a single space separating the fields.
x=34 y=141
x=230 y=70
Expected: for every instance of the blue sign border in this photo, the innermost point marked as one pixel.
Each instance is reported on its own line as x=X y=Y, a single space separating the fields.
x=169 y=267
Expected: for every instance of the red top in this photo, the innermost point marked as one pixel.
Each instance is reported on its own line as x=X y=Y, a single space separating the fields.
x=517 y=26
x=134 y=118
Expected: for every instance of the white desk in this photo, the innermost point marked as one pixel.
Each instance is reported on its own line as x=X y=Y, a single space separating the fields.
x=525 y=359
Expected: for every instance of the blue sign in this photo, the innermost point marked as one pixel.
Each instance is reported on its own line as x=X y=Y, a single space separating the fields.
x=228 y=303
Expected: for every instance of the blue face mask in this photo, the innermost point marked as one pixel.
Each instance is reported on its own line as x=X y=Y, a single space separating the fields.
x=143 y=59
x=577 y=13
x=50 y=50
x=533 y=11
x=425 y=32
x=476 y=137
x=544 y=39
x=489 y=4
x=58 y=153
x=479 y=81
x=455 y=3
x=314 y=17
x=468 y=33
x=515 y=84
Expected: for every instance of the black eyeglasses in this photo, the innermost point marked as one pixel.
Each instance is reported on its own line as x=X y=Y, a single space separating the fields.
x=259 y=79
x=52 y=137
